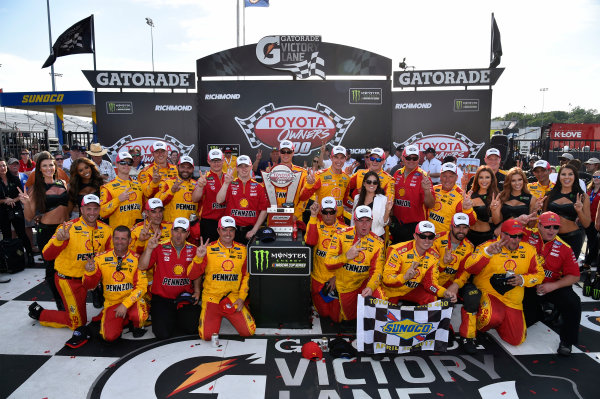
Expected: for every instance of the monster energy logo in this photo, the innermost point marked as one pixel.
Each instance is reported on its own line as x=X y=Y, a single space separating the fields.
x=595 y=293
x=355 y=93
x=262 y=259
x=364 y=96
x=111 y=107
x=466 y=105
x=119 y=107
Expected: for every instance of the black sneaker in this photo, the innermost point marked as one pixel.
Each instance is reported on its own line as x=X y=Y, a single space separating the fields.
x=98 y=297
x=80 y=337
x=564 y=349
x=469 y=345
x=35 y=310
x=138 y=332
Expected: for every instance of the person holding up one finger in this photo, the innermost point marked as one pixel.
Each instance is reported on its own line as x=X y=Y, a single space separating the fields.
x=356 y=257
x=121 y=199
x=176 y=192
x=206 y=190
x=160 y=169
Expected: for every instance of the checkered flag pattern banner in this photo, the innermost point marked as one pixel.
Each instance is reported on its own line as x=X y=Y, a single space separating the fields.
x=383 y=327
x=471 y=145
x=306 y=68
x=249 y=123
x=341 y=124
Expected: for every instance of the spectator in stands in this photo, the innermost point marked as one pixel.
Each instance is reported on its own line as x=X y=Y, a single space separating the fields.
x=106 y=168
x=432 y=165
x=592 y=165
x=66 y=150
x=76 y=153
x=174 y=157
x=393 y=160
x=26 y=164
x=564 y=158
x=13 y=167
x=138 y=162
x=260 y=166
x=459 y=171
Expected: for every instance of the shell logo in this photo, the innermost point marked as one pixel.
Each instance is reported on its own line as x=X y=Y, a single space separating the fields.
x=187 y=196
x=326 y=243
x=132 y=196
x=118 y=276
x=227 y=265
x=360 y=257
x=336 y=193
x=437 y=206
x=244 y=203
x=510 y=265
x=401 y=192
x=178 y=270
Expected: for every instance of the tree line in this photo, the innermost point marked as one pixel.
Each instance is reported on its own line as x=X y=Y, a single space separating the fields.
x=577 y=115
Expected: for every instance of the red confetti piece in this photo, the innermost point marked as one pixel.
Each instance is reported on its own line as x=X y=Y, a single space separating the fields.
x=574 y=369
x=440 y=394
x=503 y=393
x=532 y=391
x=153 y=360
x=453 y=379
x=555 y=390
x=552 y=362
x=535 y=361
x=253 y=380
x=277 y=376
x=46 y=351
x=73 y=357
x=210 y=387
x=346 y=386
x=219 y=350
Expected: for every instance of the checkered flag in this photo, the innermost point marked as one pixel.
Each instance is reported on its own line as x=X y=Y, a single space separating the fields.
x=249 y=123
x=77 y=39
x=305 y=68
x=383 y=327
x=341 y=124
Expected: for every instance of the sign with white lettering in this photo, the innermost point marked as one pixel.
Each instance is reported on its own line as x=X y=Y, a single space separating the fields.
x=275 y=260
x=137 y=80
x=447 y=77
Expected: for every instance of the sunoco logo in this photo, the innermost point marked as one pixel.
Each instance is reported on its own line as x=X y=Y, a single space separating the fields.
x=306 y=127
x=406 y=328
x=262 y=259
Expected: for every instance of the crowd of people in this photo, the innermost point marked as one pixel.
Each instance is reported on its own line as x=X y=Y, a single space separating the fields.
x=169 y=248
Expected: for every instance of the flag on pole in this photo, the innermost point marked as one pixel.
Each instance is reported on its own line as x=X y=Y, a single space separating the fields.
x=496 y=47
x=256 y=3
x=75 y=40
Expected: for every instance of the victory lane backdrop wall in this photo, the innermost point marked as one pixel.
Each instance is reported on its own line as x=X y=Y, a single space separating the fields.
x=260 y=114
x=127 y=120
x=454 y=122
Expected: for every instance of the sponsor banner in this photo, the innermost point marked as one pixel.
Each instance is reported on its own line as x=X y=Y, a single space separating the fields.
x=453 y=122
x=289 y=261
x=383 y=327
x=308 y=113
x=128 y=120
x=298 y=54
x=575 y=131
x=138 y=80
x=447 y=77
x=19 y=99
x=364 y=96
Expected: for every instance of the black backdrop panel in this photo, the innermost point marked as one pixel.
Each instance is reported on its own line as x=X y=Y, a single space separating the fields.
x=138 y=119
x=455 y=122
x=259 y=114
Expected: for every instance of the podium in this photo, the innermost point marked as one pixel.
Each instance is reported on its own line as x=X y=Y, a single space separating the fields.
x=280 y=283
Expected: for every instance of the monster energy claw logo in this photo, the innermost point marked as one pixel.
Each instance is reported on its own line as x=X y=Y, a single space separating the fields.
x=111 y=107
x=355 y=95
x=262 y=259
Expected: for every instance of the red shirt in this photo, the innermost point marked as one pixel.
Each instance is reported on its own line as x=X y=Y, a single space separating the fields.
x=409 y=203
x=245 y=201
x=594 y=200
x=211 y=209
x=559 y=259
x=24 y=168
x=171 y=270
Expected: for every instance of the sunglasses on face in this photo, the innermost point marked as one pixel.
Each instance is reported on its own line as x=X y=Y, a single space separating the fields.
x=286 y=151
x=24 y=153
x=596 y=177
x=373 y=159
x=328 y=212
x=553 y=227
x=412 y=158
x=424 y=236
x=372 y=182
x=129 y=163
x=519 y=236
x=60 y=159
x=135 y=155
x=315 y=161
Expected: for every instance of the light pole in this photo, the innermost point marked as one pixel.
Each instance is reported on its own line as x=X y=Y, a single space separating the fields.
x=150 y=23
x=543 y=90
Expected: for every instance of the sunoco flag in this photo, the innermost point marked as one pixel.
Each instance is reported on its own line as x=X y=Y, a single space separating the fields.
x=256 y=3
x=75 y=40
x=383 y=327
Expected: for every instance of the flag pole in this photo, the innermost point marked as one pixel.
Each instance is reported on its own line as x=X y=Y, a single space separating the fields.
x=94 y=43
x=57 y=123
x=94 y=124
x=237 y=9
x=492 y=38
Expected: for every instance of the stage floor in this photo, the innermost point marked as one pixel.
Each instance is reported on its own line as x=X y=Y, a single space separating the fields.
x=34 y=362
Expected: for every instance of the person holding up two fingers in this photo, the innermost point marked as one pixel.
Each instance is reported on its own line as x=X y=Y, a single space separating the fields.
x=176 y=192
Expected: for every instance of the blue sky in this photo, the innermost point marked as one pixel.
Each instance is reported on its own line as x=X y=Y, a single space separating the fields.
x=550 y=43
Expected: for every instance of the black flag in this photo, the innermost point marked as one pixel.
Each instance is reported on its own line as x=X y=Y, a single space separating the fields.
x=75 y=40
x=496 y=49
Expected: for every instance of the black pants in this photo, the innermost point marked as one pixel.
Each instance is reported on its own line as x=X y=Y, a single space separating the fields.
x=479 y=237
x=168 y=320
x=240 y=234
x=208 y=230
x=591 y=256
x=575 y=240
x=402 y=232
x=45 y=233
x=565 y=300
x=18 y=223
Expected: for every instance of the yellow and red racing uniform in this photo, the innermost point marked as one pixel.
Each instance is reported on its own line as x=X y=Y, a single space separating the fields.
x=448 y=203
x=125 y=213
x=386 y=182
x=327 y=184
x=538 y=190
x=245 y=202
x=210 y=208
x=409 y=197
x=145 y=178
x=453 y=272
x=178 y=204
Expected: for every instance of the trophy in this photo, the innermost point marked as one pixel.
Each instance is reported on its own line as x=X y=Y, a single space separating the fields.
x=281 y=219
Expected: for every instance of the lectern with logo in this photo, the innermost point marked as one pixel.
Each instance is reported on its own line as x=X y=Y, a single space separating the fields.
x=280 y=270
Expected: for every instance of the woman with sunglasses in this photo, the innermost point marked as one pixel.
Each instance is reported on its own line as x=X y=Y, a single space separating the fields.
x=372 y=195
x=572 y=205
x=85 y=179
x=593 y=189
x=515 y=196
x=483 y=194
x=47 y=203
x=26 y=164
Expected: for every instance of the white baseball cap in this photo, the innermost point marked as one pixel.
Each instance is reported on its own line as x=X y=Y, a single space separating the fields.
x=226 y=221
x=593 y=161
x=328 y=203
x=181 y=223
x=410 y=150
x=89 y=199
x=449 y=167
x=244 y=160
x=123 y=155
x=186 y=159
x=493 y=151
x=362 y=211
x=154 y=203
x=338 y=149
x=541 y=164
x=377 y=151
x=460 y=219
x=215 y=153
x=286 y=144
x=159 y=145
x=425 y=227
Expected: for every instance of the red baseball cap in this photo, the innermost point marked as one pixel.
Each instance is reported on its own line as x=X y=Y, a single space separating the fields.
x=312 y=351
x=549 y=219
x=511 y=226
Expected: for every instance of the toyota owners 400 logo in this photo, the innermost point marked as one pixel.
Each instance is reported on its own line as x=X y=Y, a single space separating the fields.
x=459 y=145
